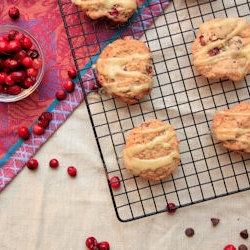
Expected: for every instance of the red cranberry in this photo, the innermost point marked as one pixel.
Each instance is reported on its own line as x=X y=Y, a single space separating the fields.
x=20 y=55
x=24 y=132
x=14 y=12
x=2 y=77
x=12 y=34
x=91 y=243
x=115 y=182
x=72 y=73
x=37 y=129
x=32 y=164
x=114 y=12
x=69 y=86
x=28 y=82
x=202 y=40
x=13 y=46
x=214 y=52
x=44 y=119
x=72 y=171
x=54 y=163
x=61 y=94
x=14 y=65
x=14 y=89
x=18 y=76
x=26 y=43
x=171 y=208
x=104 y=245
x=3 y=46
x=36 y=63
x=27 y=61
x=9 y=81
x=32 y=72
x=230 y=247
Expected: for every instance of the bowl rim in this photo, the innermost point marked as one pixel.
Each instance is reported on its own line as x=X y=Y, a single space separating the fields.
x=5 y=98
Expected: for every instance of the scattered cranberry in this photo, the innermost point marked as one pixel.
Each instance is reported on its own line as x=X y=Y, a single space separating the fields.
x=214 y=52
x=24 y=132
x=14 y=12
x=72 y=171
x=44 y=119
x=190 y=232
x=72 y=73
x=54 y=163
x=32 y=164
x=242 y=247
x=61 y=94
x=202 y=40
x=230 y=247
x=104 y=245
x=69 y=86
x=37 y=129
x=171 y=208
x=91 y=243
x=115 y=182
x=244 y=234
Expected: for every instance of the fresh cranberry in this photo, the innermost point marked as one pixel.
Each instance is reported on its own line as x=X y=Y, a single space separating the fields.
x=72 y=73
x=91 y=243
x=72 y=171
x=32 y=164
x=13 y=46
x=44 y=119
x=61 y=94
x=37 y=129
x=104 y=245
x=3 y=46
x=9 y=81
x=20 y=55
x=32 y=72
x=24 y=132
x=54 y=163
x=69 y=86
x=230 y=247
x=171 y=208
x=14 y=65
x=2 y=77
x=26 y=43
x=115 y=182
x=27 y=61
x=28 y=82
x=36 y=63
x=14 y=12
x=19 y=37
x=18 y=76
x=14 y=89
x=12 y=34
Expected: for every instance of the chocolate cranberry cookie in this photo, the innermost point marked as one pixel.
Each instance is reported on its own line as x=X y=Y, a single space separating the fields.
x=124 y=70
x=222 y=49
x=152 y=150
x=115 y=10
x=232 y=127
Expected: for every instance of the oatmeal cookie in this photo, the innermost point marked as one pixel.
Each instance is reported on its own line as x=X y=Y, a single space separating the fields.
x=124 y=70
x=152 y=150
x=221 y=49
x=115 y=10
x=232 y=127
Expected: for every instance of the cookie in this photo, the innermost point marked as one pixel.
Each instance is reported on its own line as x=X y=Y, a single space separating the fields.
x=221 y=49
x=124 y=70
x=115 y=10
x=152 y=150
x=232 y=127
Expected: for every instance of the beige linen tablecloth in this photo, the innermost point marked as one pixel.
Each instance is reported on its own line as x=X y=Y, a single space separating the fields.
x=48 y=210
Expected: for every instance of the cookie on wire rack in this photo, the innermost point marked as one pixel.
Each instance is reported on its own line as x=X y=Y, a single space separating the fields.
x=114 y=10
x=232 y=127
x=124 y=70
x=152 y=150
x=221 y=49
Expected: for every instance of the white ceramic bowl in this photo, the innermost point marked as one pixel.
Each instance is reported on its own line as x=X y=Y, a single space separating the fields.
x=4 y=30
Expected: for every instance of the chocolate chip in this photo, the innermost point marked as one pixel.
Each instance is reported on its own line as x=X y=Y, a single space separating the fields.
x=189 y=232
x=244 y=234
x=215 y=221
x=242 y=247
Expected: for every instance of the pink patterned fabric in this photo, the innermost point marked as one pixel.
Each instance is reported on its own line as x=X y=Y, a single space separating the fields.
x=44 y=21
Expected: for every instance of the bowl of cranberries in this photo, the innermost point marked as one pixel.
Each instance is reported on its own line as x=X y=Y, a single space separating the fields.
x=21 y=63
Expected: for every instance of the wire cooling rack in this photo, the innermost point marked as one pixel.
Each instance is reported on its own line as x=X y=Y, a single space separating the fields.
x=180 y=96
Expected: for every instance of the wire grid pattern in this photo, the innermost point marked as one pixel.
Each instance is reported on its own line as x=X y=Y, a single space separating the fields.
x=181 y=97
